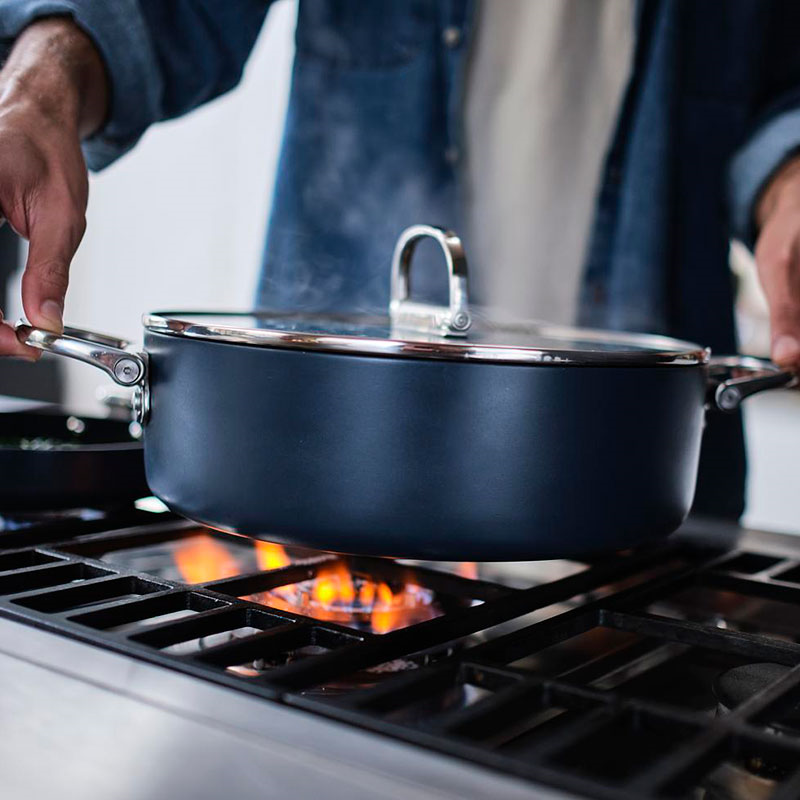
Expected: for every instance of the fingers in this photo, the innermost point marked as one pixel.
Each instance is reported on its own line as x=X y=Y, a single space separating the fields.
x=11 y=346
x=44 y=184
x=54 y=238
x=785 y=335
x=778 y=260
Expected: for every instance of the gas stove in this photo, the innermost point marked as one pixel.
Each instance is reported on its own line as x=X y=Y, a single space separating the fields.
x=144 y=656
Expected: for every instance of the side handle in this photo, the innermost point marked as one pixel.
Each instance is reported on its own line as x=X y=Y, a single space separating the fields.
x=104 y=352
x=101 y=351
x=734 y=378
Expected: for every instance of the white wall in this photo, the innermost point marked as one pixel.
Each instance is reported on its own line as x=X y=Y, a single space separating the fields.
x=773 y=438
x=772 y=420
x=179 y=222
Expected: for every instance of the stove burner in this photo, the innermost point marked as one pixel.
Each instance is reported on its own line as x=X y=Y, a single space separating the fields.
x=337 y=594
x=750 y=777
x=361 y=595
x=732 y=781
x=359 y=680
x=737 y=685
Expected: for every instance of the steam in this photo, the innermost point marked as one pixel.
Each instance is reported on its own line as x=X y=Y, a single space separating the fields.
x=348 y=195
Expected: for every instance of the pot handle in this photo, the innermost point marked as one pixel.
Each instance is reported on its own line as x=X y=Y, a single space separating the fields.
x=104 y=352
x=733 y=378
x=428 y=318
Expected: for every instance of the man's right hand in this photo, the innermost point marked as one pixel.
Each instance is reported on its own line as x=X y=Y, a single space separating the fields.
x=53 y=93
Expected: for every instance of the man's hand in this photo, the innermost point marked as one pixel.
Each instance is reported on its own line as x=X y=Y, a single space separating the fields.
x=778 y=260
x=53 y=93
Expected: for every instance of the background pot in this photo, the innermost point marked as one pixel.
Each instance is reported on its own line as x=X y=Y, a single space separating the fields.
x=52 y=460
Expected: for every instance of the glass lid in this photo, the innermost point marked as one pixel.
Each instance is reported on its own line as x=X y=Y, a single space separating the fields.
x=532 y=342
x=419 y=330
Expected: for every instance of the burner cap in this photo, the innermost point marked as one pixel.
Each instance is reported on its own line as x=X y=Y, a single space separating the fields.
x=737 y=685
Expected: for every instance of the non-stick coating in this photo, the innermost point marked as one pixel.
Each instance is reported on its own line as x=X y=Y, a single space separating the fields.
x=421 y=458
x=102 y=466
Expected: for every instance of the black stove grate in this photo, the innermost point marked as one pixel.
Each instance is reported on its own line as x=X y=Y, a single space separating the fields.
x=499 y=678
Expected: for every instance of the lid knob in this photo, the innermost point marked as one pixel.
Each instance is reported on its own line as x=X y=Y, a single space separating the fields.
x=427 y=318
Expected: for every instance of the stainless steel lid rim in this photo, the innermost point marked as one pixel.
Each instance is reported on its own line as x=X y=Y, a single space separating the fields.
x=646 y=349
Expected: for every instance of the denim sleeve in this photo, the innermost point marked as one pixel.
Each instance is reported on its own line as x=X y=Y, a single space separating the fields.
x=771 y=143
x=164 y=58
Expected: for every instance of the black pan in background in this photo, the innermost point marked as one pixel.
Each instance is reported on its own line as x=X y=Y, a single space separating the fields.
x=55 y=460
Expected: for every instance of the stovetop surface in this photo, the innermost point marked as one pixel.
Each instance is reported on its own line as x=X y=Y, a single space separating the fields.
x=670 y=671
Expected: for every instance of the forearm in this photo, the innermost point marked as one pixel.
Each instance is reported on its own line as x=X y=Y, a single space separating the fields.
x=55 y=64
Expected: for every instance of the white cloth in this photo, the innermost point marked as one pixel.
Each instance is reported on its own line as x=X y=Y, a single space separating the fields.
x=545 y=82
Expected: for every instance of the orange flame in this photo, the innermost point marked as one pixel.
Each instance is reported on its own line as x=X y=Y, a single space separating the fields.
x=335 y=597
x=202 y=558
x=366 y=595
x=391 y=611
x=333 y=594
x=334 y=585
x=271 y=556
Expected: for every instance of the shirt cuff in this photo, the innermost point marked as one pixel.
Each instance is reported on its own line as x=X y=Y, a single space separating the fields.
x=754 y=165
x=119 y=32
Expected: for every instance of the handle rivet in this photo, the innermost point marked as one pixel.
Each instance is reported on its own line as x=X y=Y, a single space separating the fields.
x=126 y=370
x=729 y=398
x=460 y=321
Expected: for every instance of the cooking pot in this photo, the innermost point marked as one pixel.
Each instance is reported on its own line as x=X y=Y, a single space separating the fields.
x=434 y=433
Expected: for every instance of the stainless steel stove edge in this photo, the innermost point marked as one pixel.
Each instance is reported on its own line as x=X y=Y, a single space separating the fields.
x=78 y=721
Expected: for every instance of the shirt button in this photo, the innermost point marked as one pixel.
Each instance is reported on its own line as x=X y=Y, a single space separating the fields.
x=451 y=36
x=452 y=155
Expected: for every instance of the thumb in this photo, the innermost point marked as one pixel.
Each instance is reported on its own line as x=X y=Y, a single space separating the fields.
x=785 y=322
x=780 y=278
x=53 y=243
x=778 y=261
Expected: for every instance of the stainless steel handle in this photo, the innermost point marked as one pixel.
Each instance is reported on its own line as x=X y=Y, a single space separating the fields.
x=101 y=351
x=427 y=318
x=104 y=352
x=733 y=378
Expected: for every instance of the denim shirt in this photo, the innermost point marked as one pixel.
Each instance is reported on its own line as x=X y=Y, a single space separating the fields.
x=374 y=141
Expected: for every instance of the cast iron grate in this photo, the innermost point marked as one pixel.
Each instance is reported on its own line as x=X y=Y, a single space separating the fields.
x=24 y=530
x=495 y=678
